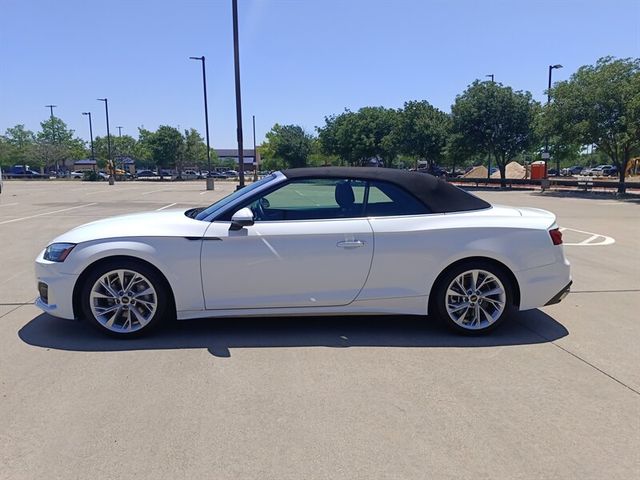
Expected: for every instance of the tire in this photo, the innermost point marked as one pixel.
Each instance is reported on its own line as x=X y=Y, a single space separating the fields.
x=125 y=298
x=473 y=311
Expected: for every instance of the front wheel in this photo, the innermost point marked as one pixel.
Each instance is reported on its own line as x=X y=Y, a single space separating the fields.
x=124 y=298
x=474 y=298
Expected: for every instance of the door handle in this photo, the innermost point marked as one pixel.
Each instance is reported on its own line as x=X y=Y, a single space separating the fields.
x=350 y=244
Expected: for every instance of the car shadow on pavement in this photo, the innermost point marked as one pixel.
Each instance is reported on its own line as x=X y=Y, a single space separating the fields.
x=220 y=336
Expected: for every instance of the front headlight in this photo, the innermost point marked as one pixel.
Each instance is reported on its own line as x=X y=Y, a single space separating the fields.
x=57 y=252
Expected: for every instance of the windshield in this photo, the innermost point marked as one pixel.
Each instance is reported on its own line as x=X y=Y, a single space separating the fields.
x=220 y=204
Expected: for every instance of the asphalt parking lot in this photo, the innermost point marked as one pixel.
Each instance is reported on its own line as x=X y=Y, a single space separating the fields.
x=554 y=393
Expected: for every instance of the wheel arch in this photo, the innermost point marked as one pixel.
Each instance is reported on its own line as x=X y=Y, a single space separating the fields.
x=512 y=278
x=77 y=288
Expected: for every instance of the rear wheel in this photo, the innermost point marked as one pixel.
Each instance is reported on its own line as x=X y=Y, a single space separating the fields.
x=124 y=298
x=474 y=298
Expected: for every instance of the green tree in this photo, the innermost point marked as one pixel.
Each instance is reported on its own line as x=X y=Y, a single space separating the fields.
x=290 y=143
x=195 y=150
x=56 y=144
x=421 y=131
x=123 y=146
x=20 y=144
x=600 y=105
x=337 y=135
x=494 y=120
x=166 y=146
x=361 y=136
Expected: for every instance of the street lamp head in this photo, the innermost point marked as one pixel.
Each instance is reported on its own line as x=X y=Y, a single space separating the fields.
x=102 y=99
x=197 y=58
x=86 y=113
x=557 y=65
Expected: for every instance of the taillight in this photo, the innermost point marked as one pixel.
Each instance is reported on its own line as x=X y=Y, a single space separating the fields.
x=556 y=236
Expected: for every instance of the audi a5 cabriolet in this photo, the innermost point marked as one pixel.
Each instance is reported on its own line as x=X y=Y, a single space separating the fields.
x=311 y=241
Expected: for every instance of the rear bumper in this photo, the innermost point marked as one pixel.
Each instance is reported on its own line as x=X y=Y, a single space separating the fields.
x=558 y=297
x=539 y=285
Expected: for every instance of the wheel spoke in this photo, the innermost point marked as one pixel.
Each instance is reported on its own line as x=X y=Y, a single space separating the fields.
x=495 y=303
x=106 y=310
x=141 y=320
x=495 y=291
x=487 y=315
x=146 y=291
x=101 y=295
x=459 y=307
x=110 y=322
x=108 y=288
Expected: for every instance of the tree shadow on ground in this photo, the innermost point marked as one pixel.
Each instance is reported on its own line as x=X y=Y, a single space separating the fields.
x=220 y=336
x=591 y=195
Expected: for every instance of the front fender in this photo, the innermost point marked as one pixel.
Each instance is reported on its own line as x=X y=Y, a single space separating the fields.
x=178 y=259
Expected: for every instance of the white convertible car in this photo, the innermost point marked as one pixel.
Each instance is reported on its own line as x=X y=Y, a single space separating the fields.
x=311 y=241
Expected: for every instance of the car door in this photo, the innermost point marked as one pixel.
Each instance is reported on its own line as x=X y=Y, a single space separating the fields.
x=308 y=247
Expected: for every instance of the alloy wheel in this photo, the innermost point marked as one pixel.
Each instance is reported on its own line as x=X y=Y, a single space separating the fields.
x=475 y=299
x=123 y=301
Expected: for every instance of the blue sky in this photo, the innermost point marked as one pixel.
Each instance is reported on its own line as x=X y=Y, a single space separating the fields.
x=300 y=59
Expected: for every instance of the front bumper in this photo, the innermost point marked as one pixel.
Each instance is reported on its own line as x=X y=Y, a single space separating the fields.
x=59 y=301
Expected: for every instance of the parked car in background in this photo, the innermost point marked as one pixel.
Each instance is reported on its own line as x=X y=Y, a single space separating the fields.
x=76 y=174
x=609 y=171
x=570 y=171
x=598 y=171
x=23 y=171
x=435 y=170
x=146 y=174
x=189 y=175
x=230 y=173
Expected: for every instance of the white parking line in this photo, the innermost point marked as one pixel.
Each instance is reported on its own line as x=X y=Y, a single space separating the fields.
x=8 y=204
x=154 y=191
x=47 y=213
x=202 y=193
x=591 y=241
x=166 y=206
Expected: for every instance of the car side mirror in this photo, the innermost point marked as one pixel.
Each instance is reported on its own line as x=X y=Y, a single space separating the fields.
x=242 y=218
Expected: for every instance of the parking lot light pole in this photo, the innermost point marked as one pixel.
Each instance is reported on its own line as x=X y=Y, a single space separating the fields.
x=255 y=152
x=492 y=76
x=53 y=129
x=546 y=143
x=110 y=162
x=93 y=156
x=236 y=61
x=206 y=119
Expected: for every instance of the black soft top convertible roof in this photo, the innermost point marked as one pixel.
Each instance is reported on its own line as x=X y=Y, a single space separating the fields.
x=438 y=195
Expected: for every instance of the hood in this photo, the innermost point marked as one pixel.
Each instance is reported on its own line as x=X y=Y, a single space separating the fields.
x=166 y=223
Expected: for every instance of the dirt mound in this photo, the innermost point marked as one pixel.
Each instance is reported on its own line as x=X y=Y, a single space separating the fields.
x=477 y=172
x=513 y=170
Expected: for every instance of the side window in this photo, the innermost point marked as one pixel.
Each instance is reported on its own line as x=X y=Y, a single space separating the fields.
x=386 y=199
x=312 y=199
